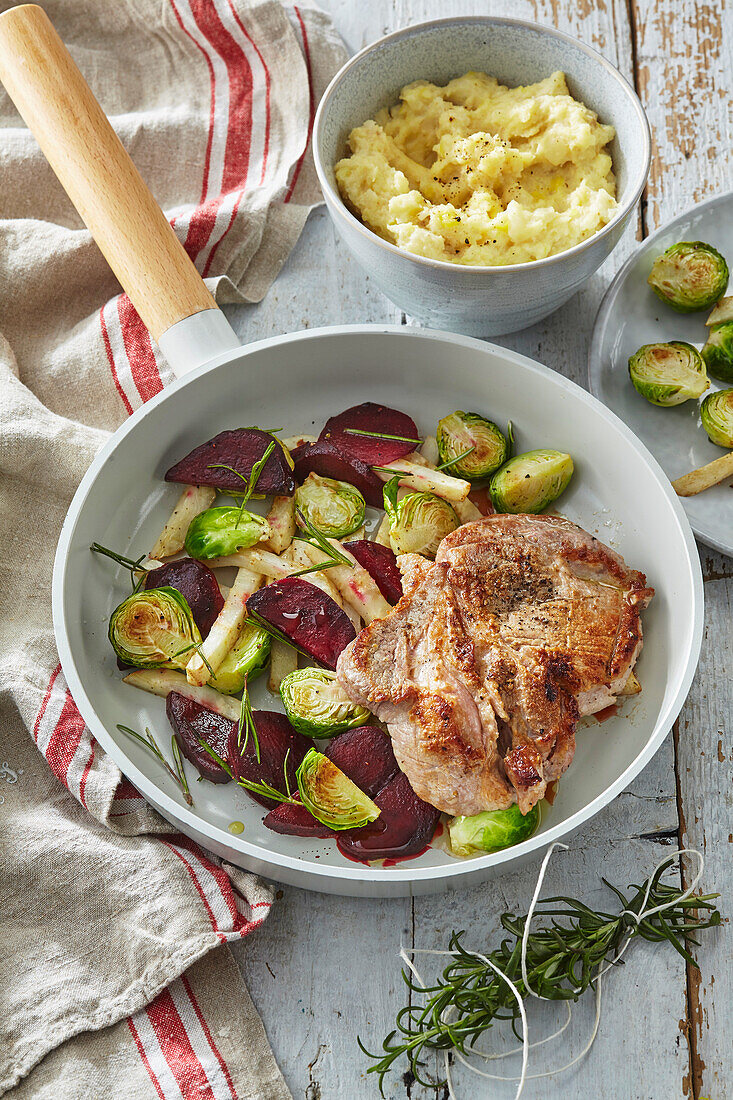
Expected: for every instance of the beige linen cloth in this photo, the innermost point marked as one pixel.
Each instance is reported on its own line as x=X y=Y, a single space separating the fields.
x=115 y=977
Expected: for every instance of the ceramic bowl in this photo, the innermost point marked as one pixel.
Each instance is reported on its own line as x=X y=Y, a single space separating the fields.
x=479 y=301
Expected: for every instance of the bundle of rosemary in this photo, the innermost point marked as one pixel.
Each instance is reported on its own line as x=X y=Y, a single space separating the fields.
x=557 y=961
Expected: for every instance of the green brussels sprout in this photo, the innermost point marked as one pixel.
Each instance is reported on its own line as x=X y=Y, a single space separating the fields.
x=668 y=374
x=419 y=522
x=482 y=444
x=491 y=831
x=154 y=629
x=722 y=311
x=529 y=482
x=317 y=705
x=334 y=508
x=218 y=532
x=718 y=351
x=331 y=796
x=245 y=660
x=688 y=276
x=716 y=413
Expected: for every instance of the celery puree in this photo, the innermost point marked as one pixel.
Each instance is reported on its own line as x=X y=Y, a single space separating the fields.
x=477 y=173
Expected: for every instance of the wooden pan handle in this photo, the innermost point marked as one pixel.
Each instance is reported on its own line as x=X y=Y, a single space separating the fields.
x=98 y=175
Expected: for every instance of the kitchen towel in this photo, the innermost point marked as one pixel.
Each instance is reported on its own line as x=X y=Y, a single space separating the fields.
x=116 y=975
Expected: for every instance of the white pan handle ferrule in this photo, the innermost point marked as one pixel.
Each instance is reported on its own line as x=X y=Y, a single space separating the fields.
x=106 y=188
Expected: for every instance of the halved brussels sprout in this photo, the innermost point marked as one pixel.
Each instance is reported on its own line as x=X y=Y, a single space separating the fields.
x=491 y=831
x=317 y=705
x=245 y=660
x=331 y=796
x=668 y=374
x=722 y=311
x=718 y=351
x=529 y=482
x=335 y=508
x=419 y=522
x=716 y=413
x=218 y=532
x=154 y=629
x=484 y=446
x=688 y=276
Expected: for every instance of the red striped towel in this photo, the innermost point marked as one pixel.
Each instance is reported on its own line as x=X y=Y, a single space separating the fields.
x=107 y=917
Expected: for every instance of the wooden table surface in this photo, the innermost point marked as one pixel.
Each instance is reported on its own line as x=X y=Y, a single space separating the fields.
x=324 y=969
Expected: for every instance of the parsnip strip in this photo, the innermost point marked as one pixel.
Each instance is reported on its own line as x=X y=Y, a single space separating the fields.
x=423 y=480
x=429 y=451
x=293 y=441
x=226 y=629
x=283 y=661
x=631 y=687
x=705 y=477
x=193 y=500
x=382 y=535
x=307 y=554
x=259 y=561
x=281 y=518
x=466 y=510
x=161 y=681
x=357 y=587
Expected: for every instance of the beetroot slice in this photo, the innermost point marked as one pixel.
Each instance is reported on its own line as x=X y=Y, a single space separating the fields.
x=403 y=828
x=294 y=820
x=371 y=418
x=306 y=617
x=327 y=460
x=240 y=449
x=278 y=741
x=365 y=756
x=381 y=565
x=191 y=721
x=197 y=583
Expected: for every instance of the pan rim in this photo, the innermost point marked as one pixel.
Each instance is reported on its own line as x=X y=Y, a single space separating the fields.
x=353 y=873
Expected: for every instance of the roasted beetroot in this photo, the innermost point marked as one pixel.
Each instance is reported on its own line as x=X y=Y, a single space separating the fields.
x=404 y=827
x=369 y=417
x=381 y=565
x=365 y=755
x=327 y=460
x=306 y=617
x=191 y=723
x=294 y=820
x=278 y=742
x=240 y=449
x=197 y=583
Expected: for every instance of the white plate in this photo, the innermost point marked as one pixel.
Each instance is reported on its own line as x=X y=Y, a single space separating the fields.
x=295 y=382
x=632 y=315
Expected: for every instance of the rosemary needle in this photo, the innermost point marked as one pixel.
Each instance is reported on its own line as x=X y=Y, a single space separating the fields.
x=176 y=772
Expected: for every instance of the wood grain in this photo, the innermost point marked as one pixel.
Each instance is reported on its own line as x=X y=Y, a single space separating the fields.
x=326 y=969
x=97 y=173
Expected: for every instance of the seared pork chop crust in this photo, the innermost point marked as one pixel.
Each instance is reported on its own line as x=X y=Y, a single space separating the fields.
x=481 y=671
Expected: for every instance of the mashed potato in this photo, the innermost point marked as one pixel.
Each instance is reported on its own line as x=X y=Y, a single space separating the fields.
x=477 y=173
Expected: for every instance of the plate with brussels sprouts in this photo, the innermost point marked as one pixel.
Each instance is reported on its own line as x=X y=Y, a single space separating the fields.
x=662 y=358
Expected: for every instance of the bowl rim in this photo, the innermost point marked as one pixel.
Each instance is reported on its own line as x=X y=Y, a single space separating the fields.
x=337 y=205
x=271 y=863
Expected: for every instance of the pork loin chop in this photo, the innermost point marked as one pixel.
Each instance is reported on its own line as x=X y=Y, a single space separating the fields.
x=523 y=624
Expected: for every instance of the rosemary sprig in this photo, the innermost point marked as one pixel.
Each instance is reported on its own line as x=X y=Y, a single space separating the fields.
x=176 y=772
x=246 y=724
x=327 y=563
x=313 y=535
x=381 y=435
x=133 y=567
x=563 y=959
x=458 y=458
x=262 y=788
x=251 y=481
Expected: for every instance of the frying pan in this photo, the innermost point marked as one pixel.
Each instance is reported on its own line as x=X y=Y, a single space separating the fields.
x=619 y=492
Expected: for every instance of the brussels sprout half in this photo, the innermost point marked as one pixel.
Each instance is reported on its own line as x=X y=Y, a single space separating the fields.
x=668 y=374
x=716 y=413
x=529 y=482
x=218 y=532
x=331 y=796
x=482 y=444
x=317 y=705
x=154 y=629
x=245 y=660
x=689 y=276
x=419 y=522
x=718 y=351
x=491 y=831
x=334 y=508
